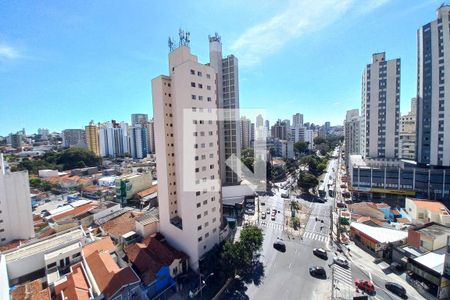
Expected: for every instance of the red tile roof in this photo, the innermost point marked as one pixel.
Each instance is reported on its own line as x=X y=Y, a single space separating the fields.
x=148 y=191
x=76 y=286
x=104 y=244
x=31 y=291
x=122 y=224
x=79 y=210
x=150 y=255
x=107 y=274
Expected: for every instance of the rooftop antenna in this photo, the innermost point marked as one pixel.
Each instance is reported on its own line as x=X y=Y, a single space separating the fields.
x=171 y=44
x=184 y=37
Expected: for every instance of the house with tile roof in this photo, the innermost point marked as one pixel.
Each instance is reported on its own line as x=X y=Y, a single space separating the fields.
x=32 y=290
x=157 y=263
x=425 y=211
x=75 y=286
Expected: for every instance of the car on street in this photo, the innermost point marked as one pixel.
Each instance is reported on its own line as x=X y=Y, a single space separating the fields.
x=285 y=195
x=273 y=217
x=274 y=211
x=249 y=211
x=320 y=253
x=396 y=289
x=317 y=271
x=262 y=203
x=365 y=285
x=280 y=246
x=341 y=261
x=268 y=210
x=263 y=215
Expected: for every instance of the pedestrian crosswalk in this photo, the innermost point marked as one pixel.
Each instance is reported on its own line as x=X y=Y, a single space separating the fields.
x=342 y=276
x=316 y=236
x=274 y=225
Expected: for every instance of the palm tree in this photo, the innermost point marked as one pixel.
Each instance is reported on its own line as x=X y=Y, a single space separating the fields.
x=294 y=205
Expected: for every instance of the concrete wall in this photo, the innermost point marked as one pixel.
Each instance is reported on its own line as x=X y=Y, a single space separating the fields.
x=4 y=284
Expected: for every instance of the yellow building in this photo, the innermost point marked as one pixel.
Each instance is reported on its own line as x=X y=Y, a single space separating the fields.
x=92 y=138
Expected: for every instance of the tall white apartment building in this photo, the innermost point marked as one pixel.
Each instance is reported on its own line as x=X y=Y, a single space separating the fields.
x=297 y=120
x=297 y=133
x=407 y=143
x=380 y=108
x=187 y=154
x=433 y=90
x=309 y=138
x=138 y=141
x=114 y=139
x=16 y=219
x=151 y=136
x=74 y=137
x=227 y=74
x=352 y=132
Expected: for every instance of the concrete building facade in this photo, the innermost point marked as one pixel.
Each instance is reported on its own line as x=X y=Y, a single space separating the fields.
x=16 y=219
x=433 y=91
x=380 y=108
x=407 y=142
x=92 y=138
x=187 y=148
x=73 y=137
x=352 y=132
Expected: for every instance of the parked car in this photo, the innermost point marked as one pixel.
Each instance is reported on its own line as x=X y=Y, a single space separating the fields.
x=249 y=211
x=340 y=204
x=365 y=285
x=317 y=271
x=280 y=246
x=341 y=261
x=263 y=215
x=273 y=217
x=274 y=211
x=268 y=210
x=262 y=203
x=396 y=289
x=320 y=253
x=284 y=195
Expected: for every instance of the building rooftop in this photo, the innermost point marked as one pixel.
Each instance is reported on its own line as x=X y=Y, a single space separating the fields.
x=147 y=192
x=149 y=217
x=31 y=291
x=44 y=245
x=380 y=234
x=107 y=274
x=104 y=244
x=74 y=211
x=122 y=224
x=76 y=286
x=68 y=248
x=432 y=260
x=434 y=230
x=433 y=206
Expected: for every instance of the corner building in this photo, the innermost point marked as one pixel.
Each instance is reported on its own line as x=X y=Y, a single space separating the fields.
x=188 y=160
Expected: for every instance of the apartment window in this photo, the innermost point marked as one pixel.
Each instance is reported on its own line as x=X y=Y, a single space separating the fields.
x=213 y=209
x=200 y=86
x=208 y=87
x=202 y=133
x=196 y=157
x=194 y=109
x=211 y=155
x=206 y=235
x=208 y=76
x=193 y=97
x=214 y=220
x=194 y=122
x=205 y=213
x=52 y=265
x=198 y=205
x=206 y=224
x=76 y=255
x=197 y=170
x=213 y=198
x=195 y=146
x=209 y=99
x=211 y=144
x=211 y=167
x=200 y=98
x=192 y=84
x=205 y=202
x=195 y=133
x=197 y=193
x=199 y=228
x=203 y=168
x=192 y=72
x=199 y=73
x=199 y=216
x=200 y=239
x=2 y=230
x=214 y=230
x=212 y=176
x=203 y=145
x=202 y=122
x=210 y=133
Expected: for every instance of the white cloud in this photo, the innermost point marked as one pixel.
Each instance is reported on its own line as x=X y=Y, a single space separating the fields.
x=299 y=18
x=8 y=52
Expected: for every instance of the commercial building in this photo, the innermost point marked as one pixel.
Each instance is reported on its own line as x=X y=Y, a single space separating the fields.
x=16 y=140
x=380 y=108
x=429 y=237
x=352 y=133
x=297 y=120
x=394 y=179
x=227 y=74
x=16 y=220
x=187 y=147
x=44 y=133
x=92 y=138
x=433 y=92
x=128 y=185
x=74 y=137
x=407 y=144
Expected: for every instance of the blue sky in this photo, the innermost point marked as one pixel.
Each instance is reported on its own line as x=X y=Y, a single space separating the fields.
x=64 y=63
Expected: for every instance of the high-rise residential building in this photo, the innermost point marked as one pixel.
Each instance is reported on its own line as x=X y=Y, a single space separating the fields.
x=92 y=138
x=16 y=219
x=44 y=133
x=139 y=119
x=297 y=133
x=310 y=135
x=246 y=125
x=252 y=133
x=114 y=139
x=260 y=129
x=16 y=140
x=74 y=137
x=151 y=136
x=279 y=130
x=407 y=144
x=227 y=74
x=267 y=127
x=352 y=132
x=380 y=108
x=138 y=141
x=327 y=126
x=433 y=93
x=187 y=147
x=297 y=120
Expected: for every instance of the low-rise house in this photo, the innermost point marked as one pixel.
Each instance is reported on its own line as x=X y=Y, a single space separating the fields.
x=158 y=263
x=378 y=241
x=367 y=209
x=32 y=290
x=148 y=196
x=425 y=211
x=148 y=224
x=74 y=286
x=121 y=225
x=428 y=237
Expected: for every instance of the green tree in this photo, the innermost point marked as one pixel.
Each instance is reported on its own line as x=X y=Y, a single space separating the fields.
x=294 y=205
x=35 y=182
x=307 y=181
x=301 y=147
x=323 y=148
x=235 y=258
x=252 y=238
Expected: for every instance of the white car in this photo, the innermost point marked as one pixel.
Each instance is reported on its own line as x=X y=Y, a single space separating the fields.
x=341 y=261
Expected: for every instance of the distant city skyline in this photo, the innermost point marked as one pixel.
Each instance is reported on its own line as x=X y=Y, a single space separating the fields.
x=61 y=67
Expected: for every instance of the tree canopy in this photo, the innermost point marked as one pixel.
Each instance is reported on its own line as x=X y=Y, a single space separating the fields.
x=306 y=181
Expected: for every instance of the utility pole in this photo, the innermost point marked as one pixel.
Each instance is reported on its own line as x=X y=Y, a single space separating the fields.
x=332 y=283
